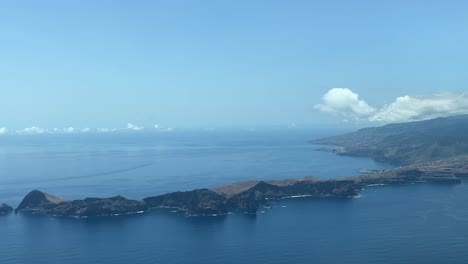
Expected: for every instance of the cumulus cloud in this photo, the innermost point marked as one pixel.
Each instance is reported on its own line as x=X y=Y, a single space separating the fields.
x=134 y=127
x=406 y=108
x=345 y=103
x=3 y=130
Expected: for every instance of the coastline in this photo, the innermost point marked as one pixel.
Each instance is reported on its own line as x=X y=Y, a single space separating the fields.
x=247 y=196
x=418 y=158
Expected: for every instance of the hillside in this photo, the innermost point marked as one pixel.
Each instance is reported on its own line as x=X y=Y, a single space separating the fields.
x=405 y=143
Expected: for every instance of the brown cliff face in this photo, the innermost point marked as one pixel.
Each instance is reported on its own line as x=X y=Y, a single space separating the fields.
x=39 y=200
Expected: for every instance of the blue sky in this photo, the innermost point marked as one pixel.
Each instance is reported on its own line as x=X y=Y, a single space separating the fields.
x=196 y=64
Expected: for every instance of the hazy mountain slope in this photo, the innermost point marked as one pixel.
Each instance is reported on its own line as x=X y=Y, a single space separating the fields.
x=406 y=143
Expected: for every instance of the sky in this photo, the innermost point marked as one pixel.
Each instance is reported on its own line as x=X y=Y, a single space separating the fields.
x=240 y=64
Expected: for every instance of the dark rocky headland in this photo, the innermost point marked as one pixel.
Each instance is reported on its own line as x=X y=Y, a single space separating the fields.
x=43 y=203
x=425 y=151
x=5 y=209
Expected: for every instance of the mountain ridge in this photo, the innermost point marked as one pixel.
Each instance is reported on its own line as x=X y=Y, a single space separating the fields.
x=405 y=143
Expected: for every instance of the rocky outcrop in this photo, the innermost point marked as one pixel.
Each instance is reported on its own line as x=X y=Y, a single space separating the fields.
x=199 y=201
x=5 y=209
x=39 y=201
x=117 y=205
x=43 y=203
x=251 y=199
x=249 y=196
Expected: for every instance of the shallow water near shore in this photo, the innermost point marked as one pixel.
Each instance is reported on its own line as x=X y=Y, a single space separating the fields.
x=413 y=223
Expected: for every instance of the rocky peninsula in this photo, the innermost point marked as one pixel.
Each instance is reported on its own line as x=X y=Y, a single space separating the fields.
x=246 y=196
x=426 y=151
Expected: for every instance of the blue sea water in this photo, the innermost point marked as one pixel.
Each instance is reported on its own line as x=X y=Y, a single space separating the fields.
x=420 y=223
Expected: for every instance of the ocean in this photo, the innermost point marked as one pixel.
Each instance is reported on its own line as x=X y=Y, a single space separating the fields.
x=414 y=223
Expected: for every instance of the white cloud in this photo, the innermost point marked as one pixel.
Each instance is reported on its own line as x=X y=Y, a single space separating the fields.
x=69 y=130
x=134 y=127
x=408 y=108
x=103 y=130
x=156 y=126
x=32 y=130
x=346 y=103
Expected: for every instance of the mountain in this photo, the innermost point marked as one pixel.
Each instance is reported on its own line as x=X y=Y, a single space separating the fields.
x=405 y=143
x=43 y=203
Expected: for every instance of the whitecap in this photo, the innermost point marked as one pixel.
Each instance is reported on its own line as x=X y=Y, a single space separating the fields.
x=297 y=196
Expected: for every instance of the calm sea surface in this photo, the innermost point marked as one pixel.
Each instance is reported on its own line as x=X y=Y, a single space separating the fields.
x=421 y=223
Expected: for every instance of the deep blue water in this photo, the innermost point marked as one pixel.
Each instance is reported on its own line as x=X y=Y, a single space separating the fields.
x=420 y=223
